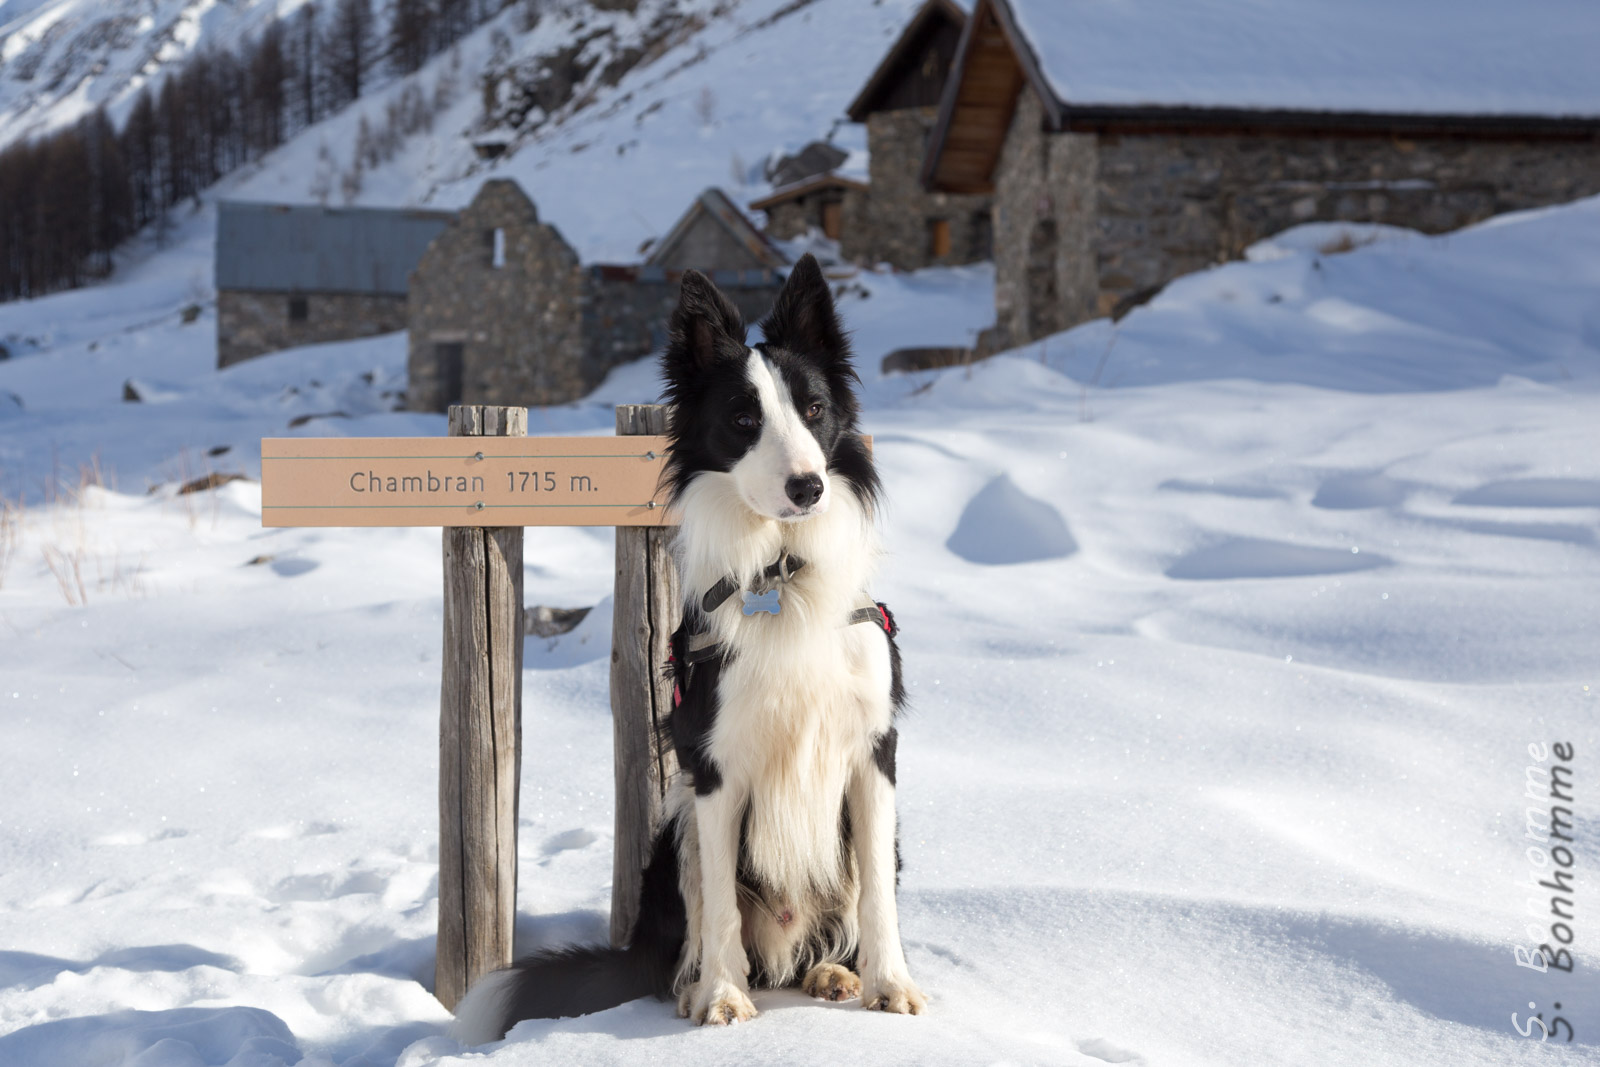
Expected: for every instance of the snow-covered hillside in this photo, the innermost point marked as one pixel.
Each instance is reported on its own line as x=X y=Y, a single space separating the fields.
x=616 y=115
x=60 y=59
x=1228 y=630
x=617 y=164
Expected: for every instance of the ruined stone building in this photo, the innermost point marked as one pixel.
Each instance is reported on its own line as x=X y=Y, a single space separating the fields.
x=302 y=274
x=1126 y=144
x=503 y=311
x=714 y=236
x=889 y=217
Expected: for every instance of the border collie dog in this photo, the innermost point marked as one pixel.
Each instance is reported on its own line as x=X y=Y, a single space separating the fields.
x=776 y=861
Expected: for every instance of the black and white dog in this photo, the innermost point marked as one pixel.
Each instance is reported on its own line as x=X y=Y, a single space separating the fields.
x=776 y=862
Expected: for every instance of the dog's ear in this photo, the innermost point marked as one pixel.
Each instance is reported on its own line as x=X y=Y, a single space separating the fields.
x=803 y=319
x=704 y=326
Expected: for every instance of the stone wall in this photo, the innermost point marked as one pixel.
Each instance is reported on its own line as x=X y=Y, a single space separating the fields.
x=891 y=223
x=626 y=310
x=540 y=329
x=1170 y=204
x=251 y=324
x=792 y=218
x=1044 y=232
x=708 y=245
x=519 y=325
x=795 y=217
x=1118 y=215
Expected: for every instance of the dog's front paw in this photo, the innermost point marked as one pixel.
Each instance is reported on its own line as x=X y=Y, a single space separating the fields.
x=829 y=981
x=898 y=994
x=716 y=1003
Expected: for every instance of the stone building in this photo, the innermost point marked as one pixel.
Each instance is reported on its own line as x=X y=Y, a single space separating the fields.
x=290 y=275
x=502 y=311
x=898 y=220
x=1126 y=144
x=714 y=235
x=821 y=202
x=890 y=217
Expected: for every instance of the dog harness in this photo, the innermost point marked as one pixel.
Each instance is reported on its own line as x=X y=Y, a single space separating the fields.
x=700 y=646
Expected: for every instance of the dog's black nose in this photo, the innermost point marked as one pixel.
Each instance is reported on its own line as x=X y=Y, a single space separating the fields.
x=804 y=489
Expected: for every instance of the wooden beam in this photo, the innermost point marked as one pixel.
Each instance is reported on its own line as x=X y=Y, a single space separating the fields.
x=975 y=114
x=480 y=734
x=645 y=613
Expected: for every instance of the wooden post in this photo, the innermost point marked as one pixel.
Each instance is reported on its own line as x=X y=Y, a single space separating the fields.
x=646 y=612
x=480 y=734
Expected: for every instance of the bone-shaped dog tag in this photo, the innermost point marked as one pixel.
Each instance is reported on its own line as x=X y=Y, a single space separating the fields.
x=758 y=602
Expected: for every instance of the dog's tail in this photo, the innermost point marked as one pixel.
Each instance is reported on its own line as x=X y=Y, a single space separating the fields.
x=579 y=980
x=550 y=985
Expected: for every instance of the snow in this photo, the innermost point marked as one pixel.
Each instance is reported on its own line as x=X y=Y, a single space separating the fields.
x=1422 y=56
x=761 y=77
x=1227 y=630
x=60 y=59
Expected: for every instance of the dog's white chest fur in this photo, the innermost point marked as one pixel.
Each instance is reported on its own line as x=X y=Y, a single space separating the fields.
x=802 y=694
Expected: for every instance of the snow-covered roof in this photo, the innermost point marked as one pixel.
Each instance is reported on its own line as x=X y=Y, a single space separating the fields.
x=1481 y=68
x=1425 y=57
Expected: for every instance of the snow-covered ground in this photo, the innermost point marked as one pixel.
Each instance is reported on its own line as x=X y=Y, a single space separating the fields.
x=1228 y=630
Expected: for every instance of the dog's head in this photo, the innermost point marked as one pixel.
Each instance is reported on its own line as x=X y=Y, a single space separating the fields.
x=779 y=418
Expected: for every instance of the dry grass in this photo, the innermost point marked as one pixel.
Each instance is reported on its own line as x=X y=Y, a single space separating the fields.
x=1345 y=242
x=67 y=566
x=11 y=516
x=76 y=565
x=195 y=476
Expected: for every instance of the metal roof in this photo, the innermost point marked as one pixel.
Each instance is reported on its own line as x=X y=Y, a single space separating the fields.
x=308 y=248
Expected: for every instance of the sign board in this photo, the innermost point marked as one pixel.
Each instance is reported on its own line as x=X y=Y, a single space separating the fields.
x=462 y=481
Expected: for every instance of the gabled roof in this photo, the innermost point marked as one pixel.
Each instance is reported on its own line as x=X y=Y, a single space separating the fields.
x=1489 y=68
x=713 y=204
x=932 y=17
x=805 y=187
x=818 y=157
x=308 y=248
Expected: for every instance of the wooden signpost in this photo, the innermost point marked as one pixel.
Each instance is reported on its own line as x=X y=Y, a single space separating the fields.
x=483 y=484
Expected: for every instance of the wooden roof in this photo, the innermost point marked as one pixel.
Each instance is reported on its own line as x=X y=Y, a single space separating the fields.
x=796 y=190
x=901 y=78
x=996 y=59
x=979 y=100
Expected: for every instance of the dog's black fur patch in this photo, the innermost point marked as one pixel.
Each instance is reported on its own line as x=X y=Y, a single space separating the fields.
x=704 y=368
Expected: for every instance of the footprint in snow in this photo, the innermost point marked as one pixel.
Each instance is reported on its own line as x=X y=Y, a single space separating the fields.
x=1353 y=490
x=1101 y=1049
x=1250 y=557
x=134 y=837
x=1534 y=493
x=568 y=841
x=290 y=831
x=1002 y=524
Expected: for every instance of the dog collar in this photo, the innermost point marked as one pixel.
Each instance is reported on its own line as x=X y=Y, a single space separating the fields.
x=780 y=570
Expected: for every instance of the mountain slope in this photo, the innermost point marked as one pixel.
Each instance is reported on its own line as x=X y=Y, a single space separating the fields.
x=60 y=59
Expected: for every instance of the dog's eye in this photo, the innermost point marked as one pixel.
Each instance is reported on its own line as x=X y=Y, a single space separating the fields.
x=745 y=422
x=814 y=411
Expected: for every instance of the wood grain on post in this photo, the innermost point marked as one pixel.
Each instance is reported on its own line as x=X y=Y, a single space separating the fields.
x=480 y=734
x=646 y=612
